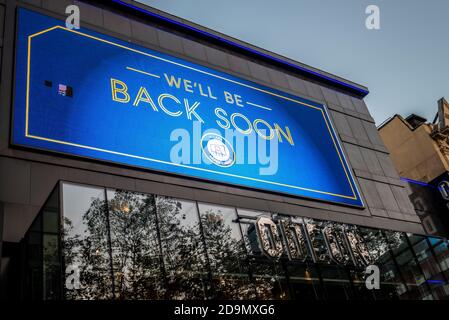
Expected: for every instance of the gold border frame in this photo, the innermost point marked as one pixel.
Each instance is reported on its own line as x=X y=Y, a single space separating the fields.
x=27 y=135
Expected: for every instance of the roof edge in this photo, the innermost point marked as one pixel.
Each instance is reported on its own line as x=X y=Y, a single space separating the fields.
x=241 y=46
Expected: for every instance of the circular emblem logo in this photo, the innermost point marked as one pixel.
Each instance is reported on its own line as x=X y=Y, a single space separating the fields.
x=218 y=150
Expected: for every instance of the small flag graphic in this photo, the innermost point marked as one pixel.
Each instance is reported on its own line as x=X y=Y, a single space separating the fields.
x=62 y=89
x=65 y=90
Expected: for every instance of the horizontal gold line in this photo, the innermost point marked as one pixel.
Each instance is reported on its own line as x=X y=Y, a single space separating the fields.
x=184 y=166
x=258 y=106
x=143 y=72
x=191 y=68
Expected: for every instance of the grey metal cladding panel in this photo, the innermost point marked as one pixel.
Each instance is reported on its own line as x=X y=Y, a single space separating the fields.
x=238 y=65
x=360 y=105
x=403 y=200
x=43 y=179
x=37 y=3
x=379 y=212
x=335 y=107
x=357 y=128
x=258 y=72
x=176 y=191
x=387 y=197
x=314 y=91
x=58 y=6
x=14 y=180
x=278 y=78
x=333 y=208
x=355 y=156
x=399 y=216
x=244 y=202
x=144 y=33
x=401 y=225
x=114 y=182
x=155 y=187
x=170 y=41
x=345 y=102
x=341 y=123
x=387 y=165
x=117 y=23
x=371 y=194
x=373 y=134
x=90 y=14
x=17 y=220
x=371 y=161
x=349 y=112
x=217 y=57
x=380 y=178
x=330 y=96
x=297 y=85
x=194 y=49
x=99 y=179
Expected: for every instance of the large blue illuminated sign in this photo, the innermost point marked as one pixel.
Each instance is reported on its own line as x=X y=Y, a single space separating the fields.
x=83 y=93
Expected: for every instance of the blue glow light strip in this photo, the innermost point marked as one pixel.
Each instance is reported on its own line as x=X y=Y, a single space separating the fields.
x=417 y=182
x=436 y=281
x=362 y=92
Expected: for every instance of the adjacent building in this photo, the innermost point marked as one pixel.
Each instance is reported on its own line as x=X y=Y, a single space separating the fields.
x=420 y=152
x=143 y=156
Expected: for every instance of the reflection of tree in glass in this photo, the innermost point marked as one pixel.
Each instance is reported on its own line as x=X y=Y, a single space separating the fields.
x=183 y=250
x=89 y=253
x=263 y=274
x=135 y=246
x=70 y=244
x=376 y=244
x=227 y=258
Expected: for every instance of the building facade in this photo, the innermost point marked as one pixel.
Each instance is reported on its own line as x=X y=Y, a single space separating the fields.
x=419 y=150
x=89 y=211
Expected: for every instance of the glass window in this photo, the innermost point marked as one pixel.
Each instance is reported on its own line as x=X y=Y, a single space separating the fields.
x=408 y=266
x=183 y=249
x=33 y=270
x=136 y=251
x=226 y=252
x=85 y=243
x=391 y=278
x=304 y=281
x=128 y=245
x=51 y=266
x=336 y=283
x=269 y=279
x=42 y=276
x=396 y=241
x=50 y=245
x=376 y=244
x=50 y=213
x=441 y=250
x=318 y=243
x=360 y=292
x=425 y=258
x=268 y=274
x=247 y=219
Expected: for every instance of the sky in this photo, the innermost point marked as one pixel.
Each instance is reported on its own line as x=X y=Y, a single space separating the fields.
x=405 y=64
